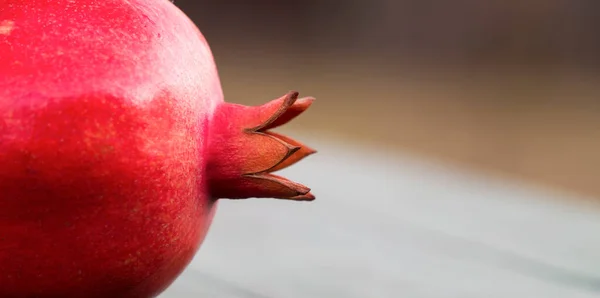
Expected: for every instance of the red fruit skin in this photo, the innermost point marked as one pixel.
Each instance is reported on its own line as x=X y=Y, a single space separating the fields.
x=104 y=112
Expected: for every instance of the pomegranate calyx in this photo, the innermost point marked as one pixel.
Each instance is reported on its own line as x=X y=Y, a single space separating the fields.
x=280 y=111
x=244 y=152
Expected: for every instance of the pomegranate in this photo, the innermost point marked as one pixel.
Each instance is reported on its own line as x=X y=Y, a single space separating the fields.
x=115 y=144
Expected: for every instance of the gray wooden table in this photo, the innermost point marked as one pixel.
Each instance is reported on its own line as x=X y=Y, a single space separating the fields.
x=384 y=225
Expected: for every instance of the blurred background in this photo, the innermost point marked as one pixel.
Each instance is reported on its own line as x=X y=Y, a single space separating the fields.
x=459 y=149
x=509 y=87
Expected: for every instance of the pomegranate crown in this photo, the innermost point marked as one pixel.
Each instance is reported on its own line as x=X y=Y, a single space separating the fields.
x=245 y=152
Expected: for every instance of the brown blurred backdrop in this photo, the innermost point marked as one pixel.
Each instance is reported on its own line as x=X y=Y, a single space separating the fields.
x=504 y=86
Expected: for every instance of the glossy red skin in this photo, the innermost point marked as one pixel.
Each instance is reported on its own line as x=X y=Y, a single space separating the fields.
x=104 y=112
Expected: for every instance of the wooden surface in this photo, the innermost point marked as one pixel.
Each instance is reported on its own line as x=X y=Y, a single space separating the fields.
x=387 y=225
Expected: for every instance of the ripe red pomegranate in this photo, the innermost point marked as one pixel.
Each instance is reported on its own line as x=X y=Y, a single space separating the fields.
x=115 y=143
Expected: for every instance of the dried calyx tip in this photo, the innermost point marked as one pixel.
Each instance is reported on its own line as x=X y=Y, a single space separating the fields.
x=247 y=152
